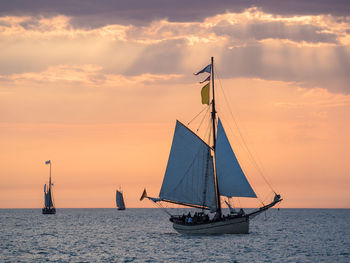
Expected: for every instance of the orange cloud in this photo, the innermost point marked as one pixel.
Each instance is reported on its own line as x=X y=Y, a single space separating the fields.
x=193 y=32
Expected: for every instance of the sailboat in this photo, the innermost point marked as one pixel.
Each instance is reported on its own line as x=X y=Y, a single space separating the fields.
x=49 y=206
x=120 y=199
x=198 y=174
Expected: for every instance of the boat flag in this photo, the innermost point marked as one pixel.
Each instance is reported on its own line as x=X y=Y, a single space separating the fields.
x=207 y=79
x=205 y=94
x=48 y=162
x=206 y=69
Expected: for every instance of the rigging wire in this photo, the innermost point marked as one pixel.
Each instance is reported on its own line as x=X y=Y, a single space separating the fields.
x=207 y=108
x=201 y=122
x=244 y=141
x=162 y=208
x=205 y=115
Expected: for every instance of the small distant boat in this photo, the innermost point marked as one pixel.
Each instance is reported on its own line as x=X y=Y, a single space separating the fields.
x=120 y=199
x=49 y=208
x=199 y=172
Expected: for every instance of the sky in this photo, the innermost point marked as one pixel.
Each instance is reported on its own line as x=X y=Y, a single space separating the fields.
x=97 y=86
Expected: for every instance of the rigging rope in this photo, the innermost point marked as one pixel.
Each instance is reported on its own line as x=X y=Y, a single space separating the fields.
x=207 y=108
x=205 y=115
x=162 y=207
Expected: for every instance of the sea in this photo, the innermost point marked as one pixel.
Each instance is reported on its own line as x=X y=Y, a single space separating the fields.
x=146 y=235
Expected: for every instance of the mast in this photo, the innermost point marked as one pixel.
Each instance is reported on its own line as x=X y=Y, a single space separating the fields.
x=50 y=200
x=50 y=177
x=213 y=117
x=213 y=113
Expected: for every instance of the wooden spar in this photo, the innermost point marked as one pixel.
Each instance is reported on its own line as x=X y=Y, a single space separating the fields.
x=155 y=200
x=213 y=116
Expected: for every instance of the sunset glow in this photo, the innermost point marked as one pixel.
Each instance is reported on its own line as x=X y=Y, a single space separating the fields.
x=99 y=98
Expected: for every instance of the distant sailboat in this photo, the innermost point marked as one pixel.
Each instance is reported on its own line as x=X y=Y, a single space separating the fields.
x=120 y=199
x=49 y=206
x=198 y=173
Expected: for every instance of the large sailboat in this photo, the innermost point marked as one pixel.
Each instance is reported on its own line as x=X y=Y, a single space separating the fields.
x=198 y=174
x=49 y=207
x=119 y=199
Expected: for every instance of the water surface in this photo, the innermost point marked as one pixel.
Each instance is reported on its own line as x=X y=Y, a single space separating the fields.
x=146 y=235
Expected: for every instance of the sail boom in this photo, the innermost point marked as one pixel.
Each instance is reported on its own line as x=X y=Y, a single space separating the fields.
x=185 y=204
x=238 y=195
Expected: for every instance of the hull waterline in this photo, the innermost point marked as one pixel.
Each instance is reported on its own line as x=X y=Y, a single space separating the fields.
x=228 y=226
x=49 y=211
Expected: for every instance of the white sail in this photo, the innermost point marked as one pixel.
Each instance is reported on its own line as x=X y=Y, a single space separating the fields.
x=231 y=179
x=120 y=200
x=189 y=176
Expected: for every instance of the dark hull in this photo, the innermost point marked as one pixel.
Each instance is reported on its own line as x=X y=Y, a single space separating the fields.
x=231 y=224
x=121 y=208
x=49 y=211
x=238 y=225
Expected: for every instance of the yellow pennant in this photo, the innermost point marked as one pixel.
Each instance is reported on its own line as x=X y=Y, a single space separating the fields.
x=205 y=94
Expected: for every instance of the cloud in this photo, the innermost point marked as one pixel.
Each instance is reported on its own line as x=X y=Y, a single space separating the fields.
x=84 y=94
x=316 y=98
x=247 y=25
x=311 y=67
x=81 y=75
x=92 y=14
x=312 y=50
x=275 y=30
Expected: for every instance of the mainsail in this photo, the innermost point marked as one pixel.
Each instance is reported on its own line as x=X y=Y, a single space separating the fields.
x=189 y=176
x=231 y=180
x=120 y=200
x=48 y=197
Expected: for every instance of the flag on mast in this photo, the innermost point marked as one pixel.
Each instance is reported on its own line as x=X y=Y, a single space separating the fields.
x=207 y=79
x=205 y=94
x=206 y=69
x=48 y=162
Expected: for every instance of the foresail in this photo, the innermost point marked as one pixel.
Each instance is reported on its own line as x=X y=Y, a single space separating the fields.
x=48 y=199
x=49 y=194
x=231 y=180
x=189 y=176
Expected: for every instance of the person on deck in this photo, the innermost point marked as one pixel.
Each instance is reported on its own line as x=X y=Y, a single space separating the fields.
x=216 y=216
x=189 y=220
x=241 y=212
